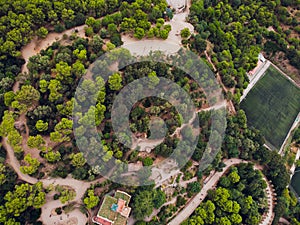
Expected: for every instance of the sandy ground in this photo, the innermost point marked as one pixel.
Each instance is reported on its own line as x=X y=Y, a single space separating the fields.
x=36 y=45
x=176 y=4
x=170 y=45
x=79 y=186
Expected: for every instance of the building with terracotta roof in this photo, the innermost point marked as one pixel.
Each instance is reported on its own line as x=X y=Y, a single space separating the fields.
x=114 y=210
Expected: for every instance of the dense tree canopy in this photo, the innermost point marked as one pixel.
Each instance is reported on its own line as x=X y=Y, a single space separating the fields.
x=234 y=201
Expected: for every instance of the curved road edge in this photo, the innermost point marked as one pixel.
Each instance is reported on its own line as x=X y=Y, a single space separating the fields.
x=195 y=202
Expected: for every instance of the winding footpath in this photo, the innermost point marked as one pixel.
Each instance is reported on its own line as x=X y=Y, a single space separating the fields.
x=79 y=187
x=172 y=44
x=34 y=48
x=230 y=104
x=14 y=163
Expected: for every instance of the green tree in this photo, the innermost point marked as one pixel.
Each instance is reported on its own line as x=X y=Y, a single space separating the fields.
x=234 y=177
x=80 y=54
x=112 y=28
x=42 y=32
x=91 y=201
x=67 y=195
x=108 y=155
x=63 y=71
x=115 y=82
x=148 y=161
x=2 y=173
x=223 y=221
x=9 y=97
x=36 y=142
x=142 y=204
x=24 y=196
x=54 y=87
x=66 y=108
x=90 y=21
x=225 y=182
x=78 y=69
x=159 y=198
x=97 y=44
x=52 y=156
x=139 y=33
x=128 y=24
x=193 y=188
x=7 y=124
x=185 y=33
x=41 y=125
x=27 y=97
x=43 y=84
x=78 y=159
x=14 y=138
x=164 y=34
x=199 y=44
x=154 y=79
x=62 y=131
x=32 y=165
x=235 y=219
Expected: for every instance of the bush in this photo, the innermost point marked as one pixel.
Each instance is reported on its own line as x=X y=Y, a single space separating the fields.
x=58 y=211
x=148 y=161
x=185 y=33
x=59 y=28
x=56 y=197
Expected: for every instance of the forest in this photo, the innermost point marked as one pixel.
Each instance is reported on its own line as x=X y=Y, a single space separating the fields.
x=237 y=31
x=233 y=32
x=238 y=199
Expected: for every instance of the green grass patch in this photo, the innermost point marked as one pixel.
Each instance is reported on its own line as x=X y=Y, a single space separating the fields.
x=296 y=182
x=272 y=106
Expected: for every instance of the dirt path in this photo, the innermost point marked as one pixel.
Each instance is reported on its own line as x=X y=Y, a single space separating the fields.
x=33 y=48
x=79 y=186
x=229 y=103
x=33 y=152
x=145 y=143
x=14 y=163
x=36 y=45
x=169 y=46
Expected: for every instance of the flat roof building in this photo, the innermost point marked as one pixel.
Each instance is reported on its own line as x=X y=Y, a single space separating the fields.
x=114 y=210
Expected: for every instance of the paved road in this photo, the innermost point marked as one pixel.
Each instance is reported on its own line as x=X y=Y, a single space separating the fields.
x=195 y=202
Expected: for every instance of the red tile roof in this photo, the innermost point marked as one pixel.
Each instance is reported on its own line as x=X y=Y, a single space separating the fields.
x=101 y=221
